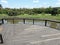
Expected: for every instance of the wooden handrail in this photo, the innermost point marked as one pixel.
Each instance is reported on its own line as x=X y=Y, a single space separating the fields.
x=31 y=19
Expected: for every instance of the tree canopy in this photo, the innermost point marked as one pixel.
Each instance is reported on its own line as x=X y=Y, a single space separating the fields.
x=13 y=12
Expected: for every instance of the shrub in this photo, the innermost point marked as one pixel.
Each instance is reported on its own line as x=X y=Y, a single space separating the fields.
x=12 y=13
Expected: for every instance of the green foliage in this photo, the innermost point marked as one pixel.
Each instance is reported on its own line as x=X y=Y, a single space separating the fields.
x=12 y=13
x=48 y=10
x=34 y=11
x=45 y=16
x=58 y=11
x=54 y=11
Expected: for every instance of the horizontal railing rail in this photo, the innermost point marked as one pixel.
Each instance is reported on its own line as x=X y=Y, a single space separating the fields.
x=33 y=20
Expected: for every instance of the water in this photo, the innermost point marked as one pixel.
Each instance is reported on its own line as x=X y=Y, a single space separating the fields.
x=42 y=23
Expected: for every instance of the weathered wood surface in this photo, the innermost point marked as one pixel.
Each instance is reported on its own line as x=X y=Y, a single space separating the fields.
x=23 y=34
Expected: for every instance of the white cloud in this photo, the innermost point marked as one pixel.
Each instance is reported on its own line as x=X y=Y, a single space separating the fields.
x=4 y=1
x=35 y=1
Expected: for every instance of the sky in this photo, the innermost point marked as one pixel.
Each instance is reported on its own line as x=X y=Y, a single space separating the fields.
x=29 y=3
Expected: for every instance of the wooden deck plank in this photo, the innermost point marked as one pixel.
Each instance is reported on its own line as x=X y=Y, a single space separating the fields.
x=23 y=34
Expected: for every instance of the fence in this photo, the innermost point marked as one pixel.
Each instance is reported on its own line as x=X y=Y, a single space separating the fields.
x=33 y=20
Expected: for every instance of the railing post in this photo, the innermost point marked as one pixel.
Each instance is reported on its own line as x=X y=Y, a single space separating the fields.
x=24 y=21
x=33 y=21
x=45 y=22
x=13 y=20
x=1 y=39
x=2 y=21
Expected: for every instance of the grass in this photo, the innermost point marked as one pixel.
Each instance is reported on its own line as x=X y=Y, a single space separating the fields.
x=3 y=15
x=44 y=16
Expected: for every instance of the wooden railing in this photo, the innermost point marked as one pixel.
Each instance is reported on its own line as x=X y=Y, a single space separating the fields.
x=33 y=20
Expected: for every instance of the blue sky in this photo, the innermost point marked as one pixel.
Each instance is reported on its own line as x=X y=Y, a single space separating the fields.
x=29 y=3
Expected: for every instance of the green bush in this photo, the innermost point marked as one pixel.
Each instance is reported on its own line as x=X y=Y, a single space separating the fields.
x=12 y=13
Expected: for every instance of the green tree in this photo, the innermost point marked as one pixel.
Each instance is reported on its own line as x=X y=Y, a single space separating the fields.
x=12 y=13
x=54 y=11
x=48 y=10
x=58 y=11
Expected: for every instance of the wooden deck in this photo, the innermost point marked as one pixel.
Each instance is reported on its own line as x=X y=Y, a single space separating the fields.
x=23 y=34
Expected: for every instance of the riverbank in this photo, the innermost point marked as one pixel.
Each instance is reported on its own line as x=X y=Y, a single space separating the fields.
x=44 y=16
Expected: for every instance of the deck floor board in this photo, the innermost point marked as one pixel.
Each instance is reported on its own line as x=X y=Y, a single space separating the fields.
x=24 y=34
